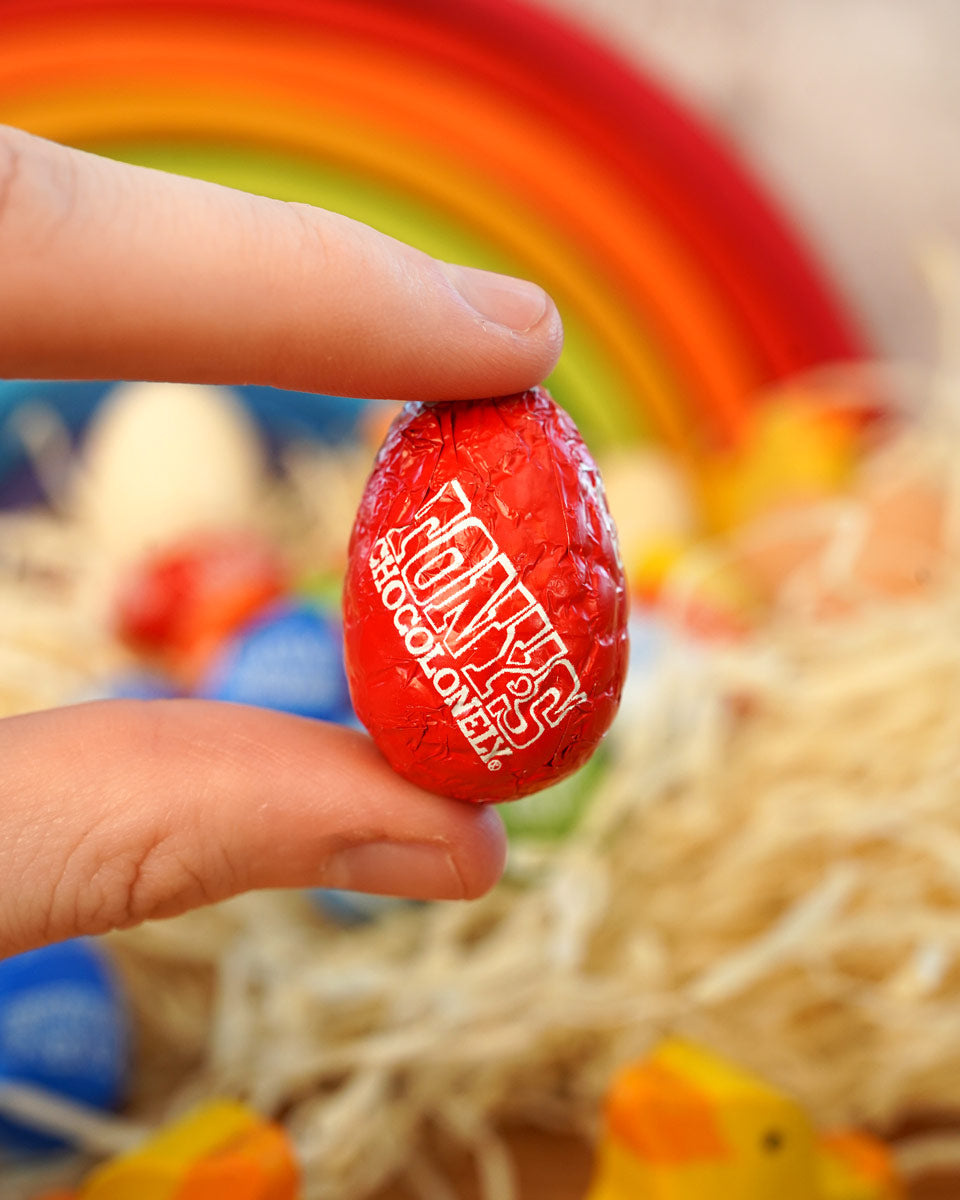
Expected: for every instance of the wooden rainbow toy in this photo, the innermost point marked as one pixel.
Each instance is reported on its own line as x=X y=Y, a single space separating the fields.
x=486 y=132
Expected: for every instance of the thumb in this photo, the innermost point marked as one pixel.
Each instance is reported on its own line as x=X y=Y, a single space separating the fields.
x=112 y=813
x=114 y=271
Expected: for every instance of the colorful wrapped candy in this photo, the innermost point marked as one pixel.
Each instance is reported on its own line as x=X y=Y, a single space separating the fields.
x=184 y=600
x=289 y=658
x=64 y=1029
x=485 y=611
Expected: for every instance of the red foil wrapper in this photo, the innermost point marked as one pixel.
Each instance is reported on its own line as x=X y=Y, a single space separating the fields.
x=183 y=601
x=485 y=609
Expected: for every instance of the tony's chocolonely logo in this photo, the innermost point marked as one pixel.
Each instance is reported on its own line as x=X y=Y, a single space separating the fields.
x=478 y=634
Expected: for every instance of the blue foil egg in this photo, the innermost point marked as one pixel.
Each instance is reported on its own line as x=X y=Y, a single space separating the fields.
x=291 y=659
x=65 y=1028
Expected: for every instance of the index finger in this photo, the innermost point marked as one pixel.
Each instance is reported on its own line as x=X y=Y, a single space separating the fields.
x=114 y=271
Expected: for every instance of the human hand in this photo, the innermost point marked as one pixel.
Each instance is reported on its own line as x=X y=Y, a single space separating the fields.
x=112 y=813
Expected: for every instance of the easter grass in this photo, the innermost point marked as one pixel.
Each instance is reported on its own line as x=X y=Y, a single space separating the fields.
x=768 y=864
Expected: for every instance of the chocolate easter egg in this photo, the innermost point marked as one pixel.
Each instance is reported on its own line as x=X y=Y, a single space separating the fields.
x=289 y=658
x=485 y=611
x=180 y=603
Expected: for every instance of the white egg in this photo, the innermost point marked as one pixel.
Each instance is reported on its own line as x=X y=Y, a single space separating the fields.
x=163 y=460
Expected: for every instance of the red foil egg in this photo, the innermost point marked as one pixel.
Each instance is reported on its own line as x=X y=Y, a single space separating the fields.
x=485 y=610
x=184 y=600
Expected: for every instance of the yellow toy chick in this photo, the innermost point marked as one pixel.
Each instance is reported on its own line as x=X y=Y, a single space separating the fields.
x=219 y=1151
x=686 y=1125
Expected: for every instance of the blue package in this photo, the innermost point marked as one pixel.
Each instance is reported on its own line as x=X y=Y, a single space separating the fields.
x=64 y=1027
x=290 y=658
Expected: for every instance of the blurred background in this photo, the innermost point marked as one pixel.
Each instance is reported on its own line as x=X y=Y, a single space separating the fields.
x=846 y=111
x=747 y=212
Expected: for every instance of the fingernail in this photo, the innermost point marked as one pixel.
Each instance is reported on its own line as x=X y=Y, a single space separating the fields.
x=414 y=869
x=514 y=303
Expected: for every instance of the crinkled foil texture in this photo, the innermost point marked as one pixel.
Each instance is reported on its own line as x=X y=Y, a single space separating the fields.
x=491 y=685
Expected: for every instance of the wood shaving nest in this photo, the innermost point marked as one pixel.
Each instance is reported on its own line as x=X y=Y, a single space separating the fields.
x=771 y=865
